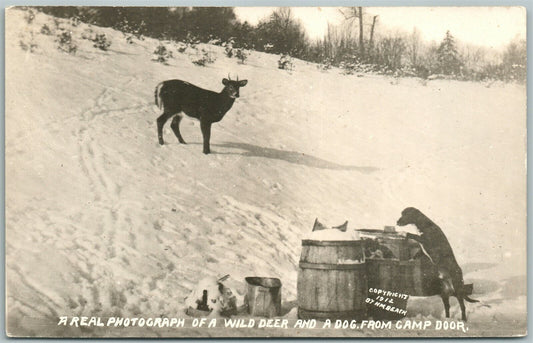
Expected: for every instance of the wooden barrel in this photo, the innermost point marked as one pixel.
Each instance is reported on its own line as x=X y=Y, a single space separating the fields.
x=424 y=278
x=416 y=277
x=403 y=268
x=400 y=247
x=263 y=296
x=384 y=274
x=389 y=275
x=332 y=280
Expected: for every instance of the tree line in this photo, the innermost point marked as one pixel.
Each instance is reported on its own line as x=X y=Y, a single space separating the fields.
x=356 y=45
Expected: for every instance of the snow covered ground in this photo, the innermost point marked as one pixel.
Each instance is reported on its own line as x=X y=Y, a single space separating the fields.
x=102 y=221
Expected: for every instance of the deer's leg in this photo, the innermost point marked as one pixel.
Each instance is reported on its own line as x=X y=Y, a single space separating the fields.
x=206 y=133
x=161 y=120
x=175 y=125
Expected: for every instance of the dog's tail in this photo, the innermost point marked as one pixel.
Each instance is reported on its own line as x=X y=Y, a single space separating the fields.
x=470 y=300
x=467 y=290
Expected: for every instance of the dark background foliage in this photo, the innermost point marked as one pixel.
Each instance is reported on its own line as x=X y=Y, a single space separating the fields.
x=356 y=45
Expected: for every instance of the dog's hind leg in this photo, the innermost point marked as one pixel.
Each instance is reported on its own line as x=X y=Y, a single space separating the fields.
x=463 y=310
x=446 y=302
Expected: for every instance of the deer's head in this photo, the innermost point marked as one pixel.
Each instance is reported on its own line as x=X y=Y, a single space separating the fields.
x=232 y=86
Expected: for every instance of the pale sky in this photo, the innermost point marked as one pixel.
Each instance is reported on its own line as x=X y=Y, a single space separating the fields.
x=486 y=26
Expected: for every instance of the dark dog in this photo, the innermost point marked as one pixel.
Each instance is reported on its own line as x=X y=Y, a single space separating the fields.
x=436 y=245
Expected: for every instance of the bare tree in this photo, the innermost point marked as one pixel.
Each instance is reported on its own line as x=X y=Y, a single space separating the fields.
x=350 y=14
x=371 y=41
x=361 y=36
x=473 y=56
x=413 y=47
x=284 y=31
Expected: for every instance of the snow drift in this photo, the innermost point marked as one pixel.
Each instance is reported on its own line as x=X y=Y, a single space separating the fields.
x=102 y=221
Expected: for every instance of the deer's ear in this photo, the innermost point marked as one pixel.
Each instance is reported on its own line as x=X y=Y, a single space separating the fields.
x=243 y=83
x=225 y=81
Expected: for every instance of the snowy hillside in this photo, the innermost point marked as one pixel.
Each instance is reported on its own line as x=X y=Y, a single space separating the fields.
x=103 y=221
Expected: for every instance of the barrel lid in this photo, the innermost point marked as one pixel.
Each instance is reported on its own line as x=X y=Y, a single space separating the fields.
x=379 y=233
x=330 y=243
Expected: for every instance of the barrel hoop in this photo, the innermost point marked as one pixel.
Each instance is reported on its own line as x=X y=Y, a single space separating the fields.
x=408 y=263
x=307 y=242
x=393 y=261
x=327 y=266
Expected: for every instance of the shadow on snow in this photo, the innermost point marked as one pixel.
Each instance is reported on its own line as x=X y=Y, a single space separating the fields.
x=288 y=156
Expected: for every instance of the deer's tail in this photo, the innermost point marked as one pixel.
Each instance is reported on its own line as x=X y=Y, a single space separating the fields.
x=157 y=95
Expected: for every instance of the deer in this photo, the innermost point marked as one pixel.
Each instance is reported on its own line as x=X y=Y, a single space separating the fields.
x=175 y=97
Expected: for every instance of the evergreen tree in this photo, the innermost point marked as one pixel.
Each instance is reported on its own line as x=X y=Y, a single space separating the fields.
x=448 y=58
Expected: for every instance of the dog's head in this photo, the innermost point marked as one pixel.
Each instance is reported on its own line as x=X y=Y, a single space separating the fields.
x=410 y=215
x=413 y=216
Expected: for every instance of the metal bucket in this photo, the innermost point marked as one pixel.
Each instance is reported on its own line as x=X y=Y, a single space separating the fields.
x=263 y=296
